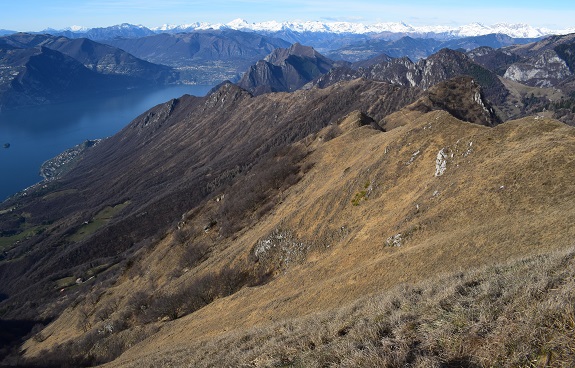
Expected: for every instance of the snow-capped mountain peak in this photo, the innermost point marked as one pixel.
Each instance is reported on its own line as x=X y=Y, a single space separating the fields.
x=469 y=30
x=473 y=29
x=77 y=28
x=238 y=24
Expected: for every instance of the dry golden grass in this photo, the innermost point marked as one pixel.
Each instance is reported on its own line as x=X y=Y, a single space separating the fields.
x=507 y=192
x=519 y=313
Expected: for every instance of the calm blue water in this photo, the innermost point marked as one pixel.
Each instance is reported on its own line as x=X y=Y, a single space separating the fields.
x=40 y=133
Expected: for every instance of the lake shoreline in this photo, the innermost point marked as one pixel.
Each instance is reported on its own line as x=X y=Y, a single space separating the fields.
x=39 y=133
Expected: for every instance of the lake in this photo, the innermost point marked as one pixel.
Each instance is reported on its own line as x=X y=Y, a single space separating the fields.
x=32 y=135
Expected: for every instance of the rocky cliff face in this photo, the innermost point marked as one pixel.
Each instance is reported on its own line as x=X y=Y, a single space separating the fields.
x=425 y=73
x=547 y=63
x=546 y=69
x=462 y=97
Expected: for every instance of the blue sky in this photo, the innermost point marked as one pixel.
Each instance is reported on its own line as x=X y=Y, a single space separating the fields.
x=35 y=15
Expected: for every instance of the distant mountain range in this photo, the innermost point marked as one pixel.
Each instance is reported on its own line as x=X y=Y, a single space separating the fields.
x=202 y=57
x=401 y=28
x=95 y=56
x=419 y=48
x=337 y=40
x=43 y=68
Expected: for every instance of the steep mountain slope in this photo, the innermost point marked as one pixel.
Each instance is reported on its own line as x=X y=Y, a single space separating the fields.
x=213 y=224
x=96 y=56
x=37 y=69
x=232 y=212
x=371 y=211
x=41 y=75
x=163 y=164
x=285 y=70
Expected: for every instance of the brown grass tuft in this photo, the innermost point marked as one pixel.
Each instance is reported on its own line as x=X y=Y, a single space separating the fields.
x=513 y=314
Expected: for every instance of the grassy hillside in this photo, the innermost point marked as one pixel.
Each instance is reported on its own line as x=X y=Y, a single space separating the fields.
x=321 y=269
x=518 y=313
